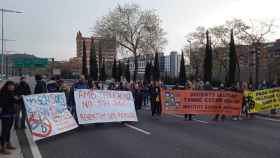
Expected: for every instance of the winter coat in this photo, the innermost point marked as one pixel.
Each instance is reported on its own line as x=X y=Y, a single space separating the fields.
x=23 y=89
x=8 y=103
x=138 y=99
x=52 y=86
x=40 y=87
x=76 y=86
x=155 y=95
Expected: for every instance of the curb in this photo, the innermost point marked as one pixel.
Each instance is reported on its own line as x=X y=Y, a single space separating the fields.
x=268 y=115
x=15 y=139
x=29 y=149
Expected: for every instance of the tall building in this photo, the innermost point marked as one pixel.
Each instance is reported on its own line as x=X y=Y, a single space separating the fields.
x=161 y=62
x=175 y=60
x=143 y=60
x=167 y=70
x=107 y=47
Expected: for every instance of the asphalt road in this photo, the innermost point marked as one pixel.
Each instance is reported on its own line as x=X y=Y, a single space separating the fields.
x=168 y=137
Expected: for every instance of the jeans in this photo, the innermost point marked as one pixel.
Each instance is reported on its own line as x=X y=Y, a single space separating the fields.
x=146 y=99
x=7 y=124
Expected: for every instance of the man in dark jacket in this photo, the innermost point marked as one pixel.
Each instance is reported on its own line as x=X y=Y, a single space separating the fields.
x=41 y=86
x=138 y=97
x=81 y=84
x=21 y=90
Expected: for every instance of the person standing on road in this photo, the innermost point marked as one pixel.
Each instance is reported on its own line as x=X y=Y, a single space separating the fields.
x=138 y=97
x=41 y=86
x=189 y=86
x=22 y=89
x=81 y=84
x=146 y=95
x=155 y=99
x=8 y=100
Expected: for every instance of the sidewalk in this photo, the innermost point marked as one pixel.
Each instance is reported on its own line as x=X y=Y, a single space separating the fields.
x=14 y=140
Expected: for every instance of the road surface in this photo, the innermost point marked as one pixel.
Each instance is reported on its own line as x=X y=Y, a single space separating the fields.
x=168 y=137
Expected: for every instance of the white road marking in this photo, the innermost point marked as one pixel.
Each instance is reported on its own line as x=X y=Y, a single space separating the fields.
x=174 y=115
x=267 y=119
x=197 y=120
x=137 y=129
x=33 y=146
x=201 y=121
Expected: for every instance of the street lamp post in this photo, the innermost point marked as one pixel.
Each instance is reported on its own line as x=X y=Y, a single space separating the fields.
x=2 y=13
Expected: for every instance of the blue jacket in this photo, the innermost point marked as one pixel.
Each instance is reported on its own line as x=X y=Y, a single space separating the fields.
x=76 y=86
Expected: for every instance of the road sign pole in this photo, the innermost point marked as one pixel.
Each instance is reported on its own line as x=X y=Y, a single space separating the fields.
x=2 y=63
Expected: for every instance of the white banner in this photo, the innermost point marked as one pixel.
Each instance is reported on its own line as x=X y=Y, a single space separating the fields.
x=99 y=106
x=48 y=115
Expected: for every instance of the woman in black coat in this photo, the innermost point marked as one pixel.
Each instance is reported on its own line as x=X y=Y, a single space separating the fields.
x=138 y=97
x=155 y=99
x=8 y=100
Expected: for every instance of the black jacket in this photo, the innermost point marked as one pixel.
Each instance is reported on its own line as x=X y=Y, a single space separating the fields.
x=155 y=94
x=41 y=87
x=23 y=89
x=138 y=99
x=8 y=103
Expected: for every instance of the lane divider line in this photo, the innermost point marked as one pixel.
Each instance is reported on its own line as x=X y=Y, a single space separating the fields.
x=137 y=129
x=33 y=146
x=201 y=121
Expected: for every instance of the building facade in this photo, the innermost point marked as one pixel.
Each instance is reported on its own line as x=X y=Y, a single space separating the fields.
x=169 y=65
x=167 y=69
x=268 y=63
x=106 y=49
x=175 y=60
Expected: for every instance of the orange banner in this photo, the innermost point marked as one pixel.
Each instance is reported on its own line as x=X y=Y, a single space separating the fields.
x=201 y=102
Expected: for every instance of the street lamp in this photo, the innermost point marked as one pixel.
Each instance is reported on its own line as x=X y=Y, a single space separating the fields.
x=6 y=69
x=190 y=42
x=2 y=39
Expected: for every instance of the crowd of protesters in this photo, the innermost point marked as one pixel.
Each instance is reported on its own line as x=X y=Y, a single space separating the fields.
x=145 y=95
x=12 y=109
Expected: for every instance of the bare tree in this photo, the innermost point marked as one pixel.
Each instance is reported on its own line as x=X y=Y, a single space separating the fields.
x=132 y=27
x=155 y=35
x=256 y=35
x=197 y=39
x=251 y=33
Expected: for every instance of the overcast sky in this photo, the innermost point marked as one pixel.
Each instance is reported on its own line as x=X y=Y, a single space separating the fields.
x=48 y=27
